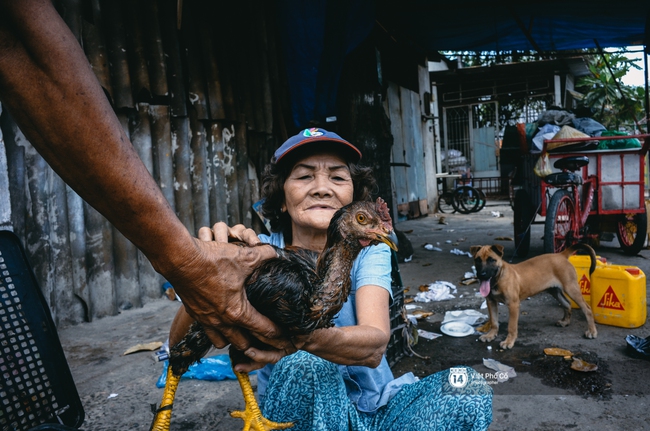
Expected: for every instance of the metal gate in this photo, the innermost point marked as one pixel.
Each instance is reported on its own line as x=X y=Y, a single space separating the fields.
x=471 y=139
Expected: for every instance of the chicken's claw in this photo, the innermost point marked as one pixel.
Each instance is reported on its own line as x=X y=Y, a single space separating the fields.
x=252 y=416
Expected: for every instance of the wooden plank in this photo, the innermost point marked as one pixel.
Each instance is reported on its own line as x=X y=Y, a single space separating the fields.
x=155 y=54
x=217 y=190
x=246 y=178
x=199 y=173
x=172 y=52
x=94 y=45
x=181 y=154
x=161 y=143
x=138 y=68
x=77 y=234
x=204 y=23
x=117 y=53
x=196 y=76
x=399 y=175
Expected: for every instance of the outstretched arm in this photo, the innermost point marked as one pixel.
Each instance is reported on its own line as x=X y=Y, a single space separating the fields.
x=47 y=85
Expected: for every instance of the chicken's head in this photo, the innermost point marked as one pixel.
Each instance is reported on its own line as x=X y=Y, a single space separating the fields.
x=363 y=223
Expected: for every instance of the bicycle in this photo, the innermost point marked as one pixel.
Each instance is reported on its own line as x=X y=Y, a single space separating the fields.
x=567 y=212
x=463 y=199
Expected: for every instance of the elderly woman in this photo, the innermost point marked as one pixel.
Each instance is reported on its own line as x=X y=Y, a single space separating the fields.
x=340 y=379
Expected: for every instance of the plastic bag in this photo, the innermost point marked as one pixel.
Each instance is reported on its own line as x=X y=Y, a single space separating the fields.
x=543 y=166
x=213 y=368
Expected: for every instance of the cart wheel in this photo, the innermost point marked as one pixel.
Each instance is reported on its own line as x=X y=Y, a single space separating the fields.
x=631 y=232
x=466 y=199
x=559 y=225
x=523 y=218
x=445 y=203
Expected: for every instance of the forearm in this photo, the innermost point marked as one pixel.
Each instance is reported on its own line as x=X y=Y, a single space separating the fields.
x=47 y=85
x=349 y=345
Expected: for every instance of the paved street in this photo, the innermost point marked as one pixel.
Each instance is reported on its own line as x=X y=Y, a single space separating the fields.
x=117 y=390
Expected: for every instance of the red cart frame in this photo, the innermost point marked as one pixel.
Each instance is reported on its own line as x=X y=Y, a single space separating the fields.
x=619 y=193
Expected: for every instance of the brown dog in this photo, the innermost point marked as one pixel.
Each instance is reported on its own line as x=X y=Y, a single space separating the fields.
x=511 y=283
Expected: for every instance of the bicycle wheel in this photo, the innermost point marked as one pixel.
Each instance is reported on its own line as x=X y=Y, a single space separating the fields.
x=445 y=203
x=631 y=232
x=466 y=199
x=560 y=224
x=523 y=217
x=482 y=200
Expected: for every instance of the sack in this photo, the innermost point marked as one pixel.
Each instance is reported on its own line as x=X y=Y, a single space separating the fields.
x=543 y=166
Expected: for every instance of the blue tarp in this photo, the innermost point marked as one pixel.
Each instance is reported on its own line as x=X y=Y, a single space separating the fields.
x=470 y=25
x=316 y=35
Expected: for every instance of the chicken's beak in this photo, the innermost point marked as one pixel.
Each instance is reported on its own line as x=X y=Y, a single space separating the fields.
x=388 y=237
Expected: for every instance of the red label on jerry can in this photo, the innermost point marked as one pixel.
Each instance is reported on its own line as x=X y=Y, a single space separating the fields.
x=585 y=285
x=610 y=300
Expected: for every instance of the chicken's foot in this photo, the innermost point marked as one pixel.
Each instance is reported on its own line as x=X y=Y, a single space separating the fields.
x=252 y=416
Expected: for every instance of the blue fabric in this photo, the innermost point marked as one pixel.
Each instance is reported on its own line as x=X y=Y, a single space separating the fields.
x=367 y=388
x=310 y=392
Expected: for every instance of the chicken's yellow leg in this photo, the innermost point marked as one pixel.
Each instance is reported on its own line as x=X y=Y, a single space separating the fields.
x=163 y=416
x=252 y=416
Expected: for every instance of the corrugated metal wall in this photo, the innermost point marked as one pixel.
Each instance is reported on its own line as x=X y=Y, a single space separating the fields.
x=198 y=104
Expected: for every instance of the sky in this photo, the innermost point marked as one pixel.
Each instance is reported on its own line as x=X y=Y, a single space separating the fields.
x=634 y=76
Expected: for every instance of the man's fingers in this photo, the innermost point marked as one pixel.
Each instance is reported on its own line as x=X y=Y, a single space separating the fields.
x=220 y=231
x=205 y=234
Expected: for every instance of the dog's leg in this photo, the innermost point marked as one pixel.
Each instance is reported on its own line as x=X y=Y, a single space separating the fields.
x=564 y=303
x=573 y=290
x=492 y=325
x=513 y=322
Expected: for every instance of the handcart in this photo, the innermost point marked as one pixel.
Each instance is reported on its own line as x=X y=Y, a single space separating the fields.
x=588 y=195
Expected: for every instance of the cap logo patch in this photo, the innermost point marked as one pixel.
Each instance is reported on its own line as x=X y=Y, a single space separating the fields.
x=312 y=133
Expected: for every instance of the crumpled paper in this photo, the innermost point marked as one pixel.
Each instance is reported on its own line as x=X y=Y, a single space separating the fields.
x=438 y=291
x=504 y=371
x=471 y=317
x=458 y=252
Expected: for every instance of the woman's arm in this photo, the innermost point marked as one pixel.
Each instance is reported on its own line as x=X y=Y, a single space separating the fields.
x=363 y=344
x=47 y=85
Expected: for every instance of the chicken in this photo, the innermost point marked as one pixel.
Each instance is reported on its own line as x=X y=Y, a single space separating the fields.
x=299 y=290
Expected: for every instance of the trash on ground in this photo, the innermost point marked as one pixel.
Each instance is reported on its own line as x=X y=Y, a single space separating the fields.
x=408 y=300
x=505 y=372
x=639 y=347
x=154 y=345
x=503 y=238
x=496 y=214
x=484 y=303
x=460 y=252
x=457 y=329
x=584 y=366
x=430 y=247
x=169 y=291
x=471 y=317
x=412 y=307
x=111 y=396
x=438 y=291
x=468 y=274
x=556 y=351
x=420 y=314
x=213 y=368
x=448 y=241
x=442 y=220
x=408 y=259
x=428 y=335
x=469 y=281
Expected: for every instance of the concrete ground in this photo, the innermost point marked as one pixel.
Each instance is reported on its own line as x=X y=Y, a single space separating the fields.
x=117 y=390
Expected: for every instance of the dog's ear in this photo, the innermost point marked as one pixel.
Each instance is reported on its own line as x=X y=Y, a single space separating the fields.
x=474 y=249
x=498 y=249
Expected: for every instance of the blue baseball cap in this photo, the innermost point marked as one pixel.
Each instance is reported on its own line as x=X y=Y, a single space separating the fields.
x=316 y=135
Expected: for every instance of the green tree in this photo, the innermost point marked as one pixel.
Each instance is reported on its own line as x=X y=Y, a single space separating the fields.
x=614 y=106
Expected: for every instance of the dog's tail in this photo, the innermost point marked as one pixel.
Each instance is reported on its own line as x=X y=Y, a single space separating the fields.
x=581 y=246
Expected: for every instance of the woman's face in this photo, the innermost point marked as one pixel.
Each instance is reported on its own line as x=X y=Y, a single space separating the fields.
x=316 y=188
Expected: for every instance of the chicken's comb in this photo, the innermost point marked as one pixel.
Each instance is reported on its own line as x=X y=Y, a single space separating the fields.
x=384 y=214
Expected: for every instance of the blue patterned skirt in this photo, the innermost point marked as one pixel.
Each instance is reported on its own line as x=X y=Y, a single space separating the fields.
x=310 y=392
